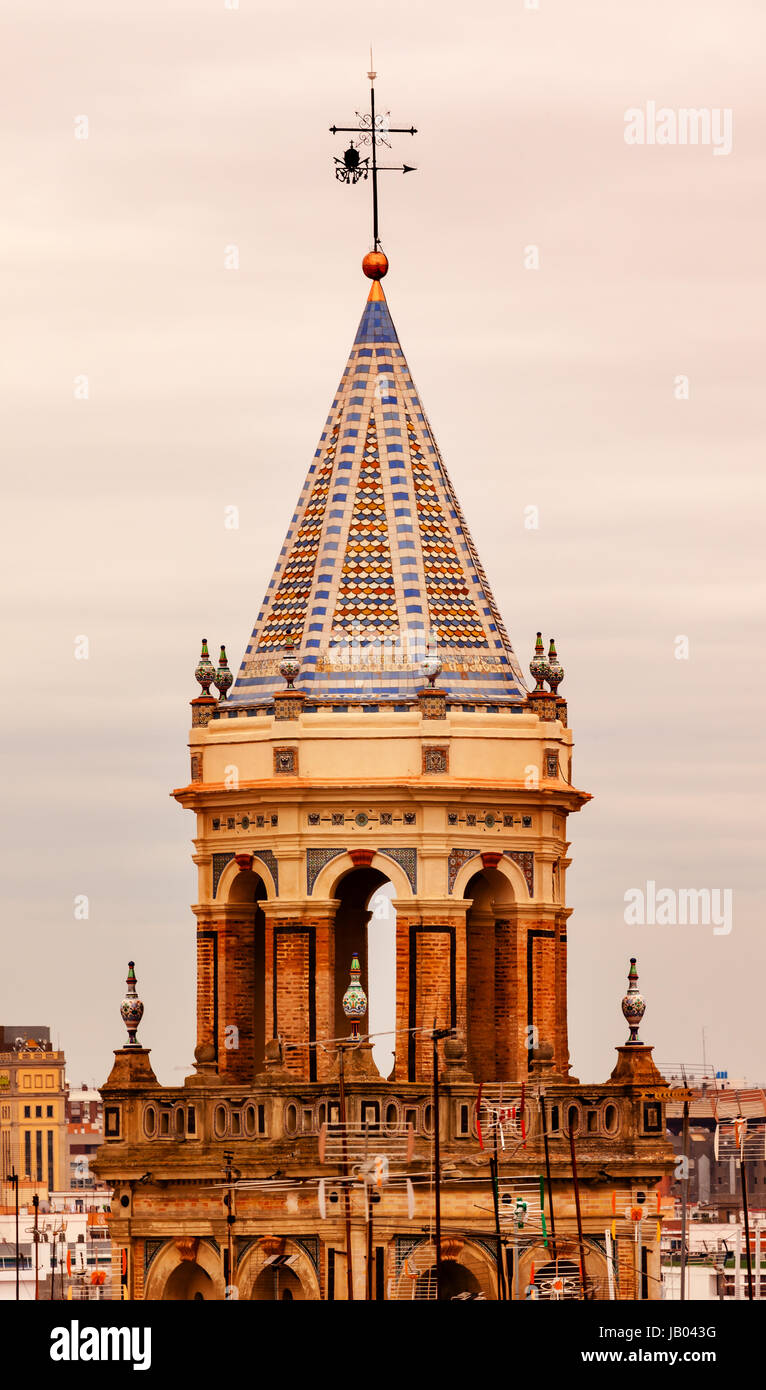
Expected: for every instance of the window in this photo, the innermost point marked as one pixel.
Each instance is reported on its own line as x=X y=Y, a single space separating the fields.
x=463 y=1119
x=50 y=1159
x=428 y=1119
x=38 y=1112
x=611 y=1119
x=370 y=1113
x=573 y=1119
x=112 y=1121
x=39 y=1153
x=49 y=1112
x=27 y=1111
x=27 y=1153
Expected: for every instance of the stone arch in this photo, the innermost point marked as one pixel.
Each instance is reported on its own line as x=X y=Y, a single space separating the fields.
x=506 y=867
x=466 y=1267
x=204 y=1268
x=232 y=874
x=331 y=875
x=495 y=989
x=568 y=1262
x=293 y=1268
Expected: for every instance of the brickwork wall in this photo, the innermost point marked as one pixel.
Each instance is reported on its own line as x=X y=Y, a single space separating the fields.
x=137 y=1255
x=626 y=1267
x=206 y=951
x=236 y=987
x=481 y=995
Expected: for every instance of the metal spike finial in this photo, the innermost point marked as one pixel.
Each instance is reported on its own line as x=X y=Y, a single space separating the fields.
x=131 y=1008
x=633 y=1006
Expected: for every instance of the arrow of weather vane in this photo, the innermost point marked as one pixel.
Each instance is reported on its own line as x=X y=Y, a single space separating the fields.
x=372 y=130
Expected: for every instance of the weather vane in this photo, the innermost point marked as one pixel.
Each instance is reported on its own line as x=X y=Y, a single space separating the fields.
x=372 y=130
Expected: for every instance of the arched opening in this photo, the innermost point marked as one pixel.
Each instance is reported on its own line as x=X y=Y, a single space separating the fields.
x=493 y=1025
x=188 y=1282
x=247 y=892
x=381 y=960
x=365 y=925
x=455 y=1280
x=278 y=1283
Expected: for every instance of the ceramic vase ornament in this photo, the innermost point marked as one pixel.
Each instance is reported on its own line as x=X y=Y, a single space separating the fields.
x=554 y=673
x=223 y=677
x=289 y=666
x=538 y=665
x=205 y=670
x=355 y=999
x=432 y=668
x=633 y=1005
x=131 y=1008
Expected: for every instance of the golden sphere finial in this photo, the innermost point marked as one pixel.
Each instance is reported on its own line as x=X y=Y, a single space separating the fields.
x=375 y=265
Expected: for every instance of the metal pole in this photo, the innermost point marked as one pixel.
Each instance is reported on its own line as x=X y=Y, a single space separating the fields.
x=15 y=1193
x=548 y=1172
x=684 y=1197
x=368 y=1196
x=374 y=169
x=35 y=1204
x=498 y=1242
x=437 y=1186
x=346 y=1192
x=230 y=1219
x=576 y=1186
x=747 y=1222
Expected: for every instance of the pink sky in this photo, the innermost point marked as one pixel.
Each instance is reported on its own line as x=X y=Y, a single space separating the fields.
x=551 y=388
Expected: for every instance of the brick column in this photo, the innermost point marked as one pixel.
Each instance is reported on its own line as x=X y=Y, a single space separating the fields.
x=541 y=962
x=430 y=983
x=561 y=1042
x=207 y=981
x=481 y=994
x=236 y=990
x=300 y=986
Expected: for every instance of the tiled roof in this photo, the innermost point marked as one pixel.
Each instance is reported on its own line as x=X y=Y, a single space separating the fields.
x=378 y=566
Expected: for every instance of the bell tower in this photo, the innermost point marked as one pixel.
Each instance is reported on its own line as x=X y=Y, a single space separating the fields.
x=380 y=731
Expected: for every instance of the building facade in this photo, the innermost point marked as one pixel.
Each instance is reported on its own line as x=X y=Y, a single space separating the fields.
x=33 y=1132
x=380 y=733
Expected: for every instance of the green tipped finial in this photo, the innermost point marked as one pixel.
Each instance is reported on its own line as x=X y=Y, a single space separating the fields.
x=223 y=677
x=205 y=670
x=538 y=665
x=355 y=1000
x=554 y=673
x=633 y=1006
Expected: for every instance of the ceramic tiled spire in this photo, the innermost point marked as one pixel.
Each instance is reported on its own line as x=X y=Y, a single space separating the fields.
x=378 y=568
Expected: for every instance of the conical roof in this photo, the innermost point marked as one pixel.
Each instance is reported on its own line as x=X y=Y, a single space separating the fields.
x=378 y=569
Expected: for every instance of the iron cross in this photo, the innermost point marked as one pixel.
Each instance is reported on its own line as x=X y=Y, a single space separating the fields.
x=374 y=130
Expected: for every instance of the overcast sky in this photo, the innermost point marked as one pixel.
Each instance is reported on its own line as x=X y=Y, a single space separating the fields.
x=554 y=388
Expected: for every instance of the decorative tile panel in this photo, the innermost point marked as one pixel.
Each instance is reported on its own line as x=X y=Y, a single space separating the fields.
x=407 y=859
x=315 y=862
x=219 y=864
